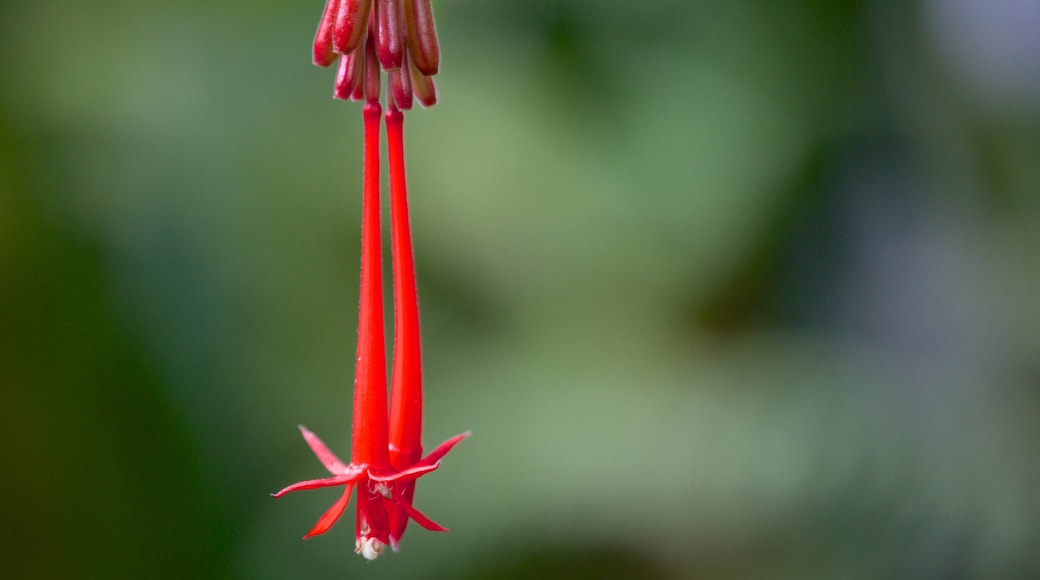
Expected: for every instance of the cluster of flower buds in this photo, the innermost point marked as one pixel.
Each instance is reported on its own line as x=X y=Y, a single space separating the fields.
x=373 y=36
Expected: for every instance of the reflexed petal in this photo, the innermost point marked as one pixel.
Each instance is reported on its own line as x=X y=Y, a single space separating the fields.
x=443 y=449
x=329 y=517
x=319 y=483
x=421 y=519
x=327 y=457
x=414 y=472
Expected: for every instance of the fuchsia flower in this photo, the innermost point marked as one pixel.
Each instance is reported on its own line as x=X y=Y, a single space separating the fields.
x=386 y=454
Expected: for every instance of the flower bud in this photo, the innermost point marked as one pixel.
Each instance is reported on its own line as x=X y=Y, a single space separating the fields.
x=423 y=87
x=373 y=76
x=401 y=85
x=351 y=24
x=323 y=53
x=359 y=89
x=348 y=75
x=422 y=36
x=389 y=41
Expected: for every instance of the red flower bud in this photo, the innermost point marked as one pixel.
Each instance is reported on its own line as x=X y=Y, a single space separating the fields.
x=373 y=76
x=401 y=85
x=348 y=75
x=351 y=25
x=423 y=87
x=324 y=55
x=389 y=37
x=422 y=36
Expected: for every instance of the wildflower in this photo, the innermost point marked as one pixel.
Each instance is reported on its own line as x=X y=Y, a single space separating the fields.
x=384 y=488
x=386 y=453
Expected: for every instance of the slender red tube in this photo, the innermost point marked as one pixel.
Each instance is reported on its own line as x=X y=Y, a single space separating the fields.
x=370 y=419
x=406 y=397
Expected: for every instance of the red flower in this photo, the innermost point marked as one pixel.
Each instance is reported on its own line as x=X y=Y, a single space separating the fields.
x=386 y=454
x=385 y=487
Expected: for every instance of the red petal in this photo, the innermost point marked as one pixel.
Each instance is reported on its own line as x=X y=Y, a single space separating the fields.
x=372 y=507
x=329 y=517
x=327 y=458
x=443 y=449
x=319 y=483
x=414 y=472
x=421 y=519
x=398 y=521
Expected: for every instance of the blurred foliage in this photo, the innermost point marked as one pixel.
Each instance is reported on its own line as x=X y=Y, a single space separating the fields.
x=723 y=289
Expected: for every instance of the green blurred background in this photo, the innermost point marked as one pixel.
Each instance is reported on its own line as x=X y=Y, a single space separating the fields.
x=723 y=289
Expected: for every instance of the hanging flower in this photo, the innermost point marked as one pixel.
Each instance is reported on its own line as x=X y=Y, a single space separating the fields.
x=386 y=453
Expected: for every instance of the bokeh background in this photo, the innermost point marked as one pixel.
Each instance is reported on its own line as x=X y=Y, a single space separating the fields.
x=723 y=289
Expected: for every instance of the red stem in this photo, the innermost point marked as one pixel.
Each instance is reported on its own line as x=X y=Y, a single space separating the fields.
x=370 y=419
x=406 y=398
